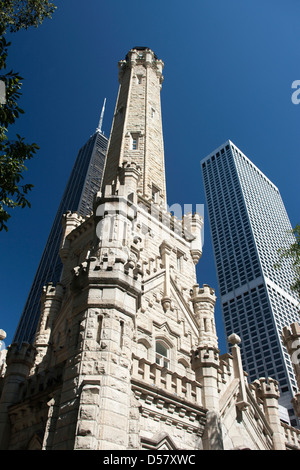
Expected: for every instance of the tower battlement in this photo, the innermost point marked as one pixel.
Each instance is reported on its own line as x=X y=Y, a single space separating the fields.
x=266 y=387
x=23 y=354
x=142 y=56
x=290 y=334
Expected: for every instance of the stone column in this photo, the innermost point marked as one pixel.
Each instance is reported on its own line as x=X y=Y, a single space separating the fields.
x=87 y=431
x=206 y=362
x=238 y=370
x=50 y=305
x=203 y=300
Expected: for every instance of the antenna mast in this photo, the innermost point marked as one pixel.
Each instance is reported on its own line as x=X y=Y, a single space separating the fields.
x=99 y=128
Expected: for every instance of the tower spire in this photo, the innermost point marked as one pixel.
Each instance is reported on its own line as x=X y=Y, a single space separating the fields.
x=136 y=135
x=99 y=128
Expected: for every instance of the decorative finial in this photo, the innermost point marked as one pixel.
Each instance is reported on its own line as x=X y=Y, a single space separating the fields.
x=2 y=334
x=234 y=339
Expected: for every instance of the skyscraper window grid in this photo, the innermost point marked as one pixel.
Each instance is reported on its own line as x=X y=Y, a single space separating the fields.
x=266 y=211
x=248 y=223
x=83 y=183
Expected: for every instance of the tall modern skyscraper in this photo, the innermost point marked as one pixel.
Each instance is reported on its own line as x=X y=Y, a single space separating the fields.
x=249 y=223
x=83 y=183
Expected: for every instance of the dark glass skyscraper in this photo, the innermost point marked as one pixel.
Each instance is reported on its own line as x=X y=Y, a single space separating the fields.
x=84 y=182
x=249 y=223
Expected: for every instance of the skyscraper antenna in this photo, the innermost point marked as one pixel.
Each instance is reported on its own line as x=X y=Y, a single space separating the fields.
x=99 y=128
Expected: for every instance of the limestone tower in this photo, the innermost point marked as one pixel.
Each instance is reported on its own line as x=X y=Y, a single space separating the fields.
x=126 y=353
x=137 y=126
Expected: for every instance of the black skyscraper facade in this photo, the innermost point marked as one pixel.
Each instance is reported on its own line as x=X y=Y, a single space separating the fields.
x=84 y=182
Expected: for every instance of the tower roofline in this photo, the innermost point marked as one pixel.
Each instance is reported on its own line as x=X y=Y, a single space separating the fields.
x=229 y=142
x=140 y=48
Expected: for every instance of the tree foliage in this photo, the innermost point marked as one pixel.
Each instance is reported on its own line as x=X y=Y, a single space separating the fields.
x=22 y=14
x=15 y=15
x=293 y=254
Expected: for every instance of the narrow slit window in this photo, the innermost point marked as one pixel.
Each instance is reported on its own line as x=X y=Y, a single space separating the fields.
x=179 y=261
x=134 y=142
x=155 y=194
x=121 y=333
x=99 y=328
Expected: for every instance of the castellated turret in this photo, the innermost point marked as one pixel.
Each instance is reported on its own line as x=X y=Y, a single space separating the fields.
x=203 y=300
x=19 y=361
x=291 y=340
x=137 y=126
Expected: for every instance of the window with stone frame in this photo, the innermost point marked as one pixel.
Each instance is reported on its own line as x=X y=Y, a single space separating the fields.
x=134 y=141
x=155 y=193
x=162 y=354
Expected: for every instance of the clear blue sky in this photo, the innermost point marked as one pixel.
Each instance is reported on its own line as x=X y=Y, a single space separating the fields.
x=229 y=67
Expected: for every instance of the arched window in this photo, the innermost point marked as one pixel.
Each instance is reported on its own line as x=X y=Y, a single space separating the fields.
x=162 y=354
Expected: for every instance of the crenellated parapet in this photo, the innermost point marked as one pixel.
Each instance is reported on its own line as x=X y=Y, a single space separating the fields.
x=292 y=437
x=141 y=56
x=205 y=362
x=296 y=404
x=20 y=358
x=267 y=390
x=290 y=334
x=129 y=175
x=51 y=300
x=44 y=381
x=204 y=357
x=70 y=221
x=291 y=340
